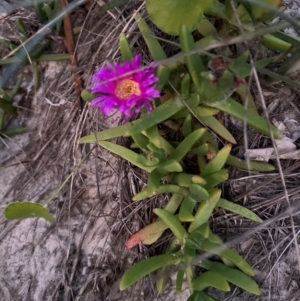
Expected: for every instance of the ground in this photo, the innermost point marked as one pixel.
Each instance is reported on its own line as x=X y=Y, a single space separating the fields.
x=81 y=256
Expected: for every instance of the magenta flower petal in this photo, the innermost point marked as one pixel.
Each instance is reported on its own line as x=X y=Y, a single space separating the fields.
x=128 y=93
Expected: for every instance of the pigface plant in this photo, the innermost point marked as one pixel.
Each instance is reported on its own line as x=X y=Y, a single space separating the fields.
x=189 y=92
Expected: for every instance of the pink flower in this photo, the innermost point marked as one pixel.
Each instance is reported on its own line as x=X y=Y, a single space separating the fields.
x=126 y=93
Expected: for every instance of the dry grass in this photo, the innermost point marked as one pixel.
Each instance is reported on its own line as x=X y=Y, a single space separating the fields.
x=81 y=256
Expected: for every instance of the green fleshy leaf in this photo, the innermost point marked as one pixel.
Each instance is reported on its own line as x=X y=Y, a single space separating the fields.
x=238 y=67
x=160 y=114
x=172 y=207
x=145 y=267
x=154 y=46
x=246 y=97
x=185 y=85
x=153 y=135
x=48 y=10
x=186 y=209
x=185 y=146
x=57 y=10
x=195 y=239
x=234 y=276
x=111 y=5
x=211 y=279
x=203 y=111
x=7 y=107
x=205 y=210
x=290 y=64
x=235 y=109
x=87 y=96
x=275 y=43
x=291 y=40
x=193 y=61
x=161 y=189
x=240 y=210
x=4 y=95
x=201 y=150
x=107 y=134
x=163 y=73
x=174 y=202
x=253 y=165
x=217 y=127
x=187 y=125
x=146 y=233
x=126 y=52
x=217 y=162
x=16 y=88
x=214 y=238
x=215 y=179
x=153 y=181
x=169 y=166
x=8 y=44
x=140 y=140
x=25 y=209
x=229 y=254
x=242 y=69
x=39 y=11
x=179 y=280
x=186 y=180
x=162 y=276
x=206 y=28
x=264 y=10
x=127 y=154
x=201 y=296
x=173 y=223
x=13 y=132
x=204 y=230
x=198 y=193
x=21 y=28
x=169 y=15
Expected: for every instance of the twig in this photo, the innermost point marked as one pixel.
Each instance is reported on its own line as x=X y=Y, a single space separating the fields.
x=70 y=43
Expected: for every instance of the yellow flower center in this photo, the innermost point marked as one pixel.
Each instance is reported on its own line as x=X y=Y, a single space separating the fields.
x=126 y=88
